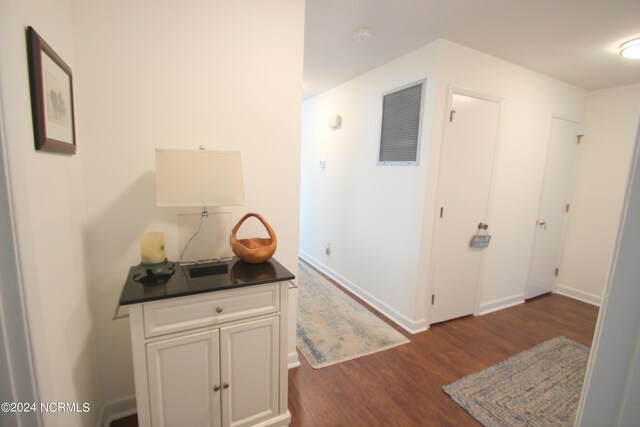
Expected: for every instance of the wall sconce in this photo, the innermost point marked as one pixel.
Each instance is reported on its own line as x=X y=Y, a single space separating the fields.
x=335 y=121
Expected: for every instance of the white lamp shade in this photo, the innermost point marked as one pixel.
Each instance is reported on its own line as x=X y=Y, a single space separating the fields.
x=200 y=178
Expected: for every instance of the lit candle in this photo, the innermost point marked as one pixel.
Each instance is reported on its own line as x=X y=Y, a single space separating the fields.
x=152 y=247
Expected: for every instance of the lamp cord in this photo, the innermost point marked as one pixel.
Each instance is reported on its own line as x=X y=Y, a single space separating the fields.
x=192 y=237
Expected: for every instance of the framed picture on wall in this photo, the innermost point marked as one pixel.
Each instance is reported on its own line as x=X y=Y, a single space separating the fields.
x=51 y=97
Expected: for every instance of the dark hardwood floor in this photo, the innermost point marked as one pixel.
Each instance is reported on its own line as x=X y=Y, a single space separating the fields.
x=403 y=386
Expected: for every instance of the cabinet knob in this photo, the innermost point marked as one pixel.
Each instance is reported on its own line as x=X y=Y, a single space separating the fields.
x=216 y=387
x=219 y=309
x=225 y=385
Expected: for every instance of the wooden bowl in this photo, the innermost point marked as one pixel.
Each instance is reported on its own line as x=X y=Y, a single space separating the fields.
x=254 y=250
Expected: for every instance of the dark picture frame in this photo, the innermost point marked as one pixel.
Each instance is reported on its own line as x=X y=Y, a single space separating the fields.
x=51 y=83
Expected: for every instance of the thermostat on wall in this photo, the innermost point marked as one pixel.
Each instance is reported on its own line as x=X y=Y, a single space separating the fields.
x=335 y=121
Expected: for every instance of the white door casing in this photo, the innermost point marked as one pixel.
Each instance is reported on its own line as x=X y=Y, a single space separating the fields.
x=464 y=189
x=554 y=207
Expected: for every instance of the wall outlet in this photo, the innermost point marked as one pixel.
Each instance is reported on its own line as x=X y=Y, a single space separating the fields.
x=327 y=249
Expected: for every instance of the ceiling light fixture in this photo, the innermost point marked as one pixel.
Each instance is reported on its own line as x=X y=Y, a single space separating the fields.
x=361 y=34
x=631 y=49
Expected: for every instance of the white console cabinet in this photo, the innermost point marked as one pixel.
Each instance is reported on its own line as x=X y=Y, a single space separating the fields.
x=214 y=359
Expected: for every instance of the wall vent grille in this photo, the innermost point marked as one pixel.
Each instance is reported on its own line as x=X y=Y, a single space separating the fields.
x=401 y=122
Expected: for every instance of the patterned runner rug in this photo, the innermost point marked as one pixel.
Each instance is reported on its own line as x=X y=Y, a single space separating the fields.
x=333 y=327
x=537 y=387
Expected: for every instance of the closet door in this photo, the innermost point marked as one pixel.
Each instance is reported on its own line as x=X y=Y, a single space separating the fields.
x=464 y=186
x=554 y=210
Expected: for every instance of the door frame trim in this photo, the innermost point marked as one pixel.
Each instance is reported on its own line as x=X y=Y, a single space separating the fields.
x=460 y=90
x=24 y=384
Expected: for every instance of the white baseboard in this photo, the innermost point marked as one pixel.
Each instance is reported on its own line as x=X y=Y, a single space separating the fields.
x=396 y=317
x=116 y=409
x=293 y=360
x=499 y=304
x=579 y=295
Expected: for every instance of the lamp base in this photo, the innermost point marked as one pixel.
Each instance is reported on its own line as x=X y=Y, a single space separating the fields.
x=204 y=238
x=208 y=268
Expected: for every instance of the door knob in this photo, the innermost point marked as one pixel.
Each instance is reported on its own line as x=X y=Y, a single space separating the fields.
x=542 y=222
x=216 y=387
x=225 y=385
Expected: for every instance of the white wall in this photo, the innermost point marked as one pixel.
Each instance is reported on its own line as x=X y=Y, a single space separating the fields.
x=371 y=215
x=605 y=160
x=380 y=220
x=226 y=75
x=47 y=202
x=530 y=101
x=612 y=380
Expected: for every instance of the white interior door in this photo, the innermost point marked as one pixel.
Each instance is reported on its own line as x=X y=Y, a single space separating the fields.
x=463 y=194
x=559 y=173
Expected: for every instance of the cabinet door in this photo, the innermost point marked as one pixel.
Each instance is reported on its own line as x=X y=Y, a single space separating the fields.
x=249 y=369
x=183 y=373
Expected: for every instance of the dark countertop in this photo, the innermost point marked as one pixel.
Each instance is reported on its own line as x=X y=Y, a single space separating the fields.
x=240 y=274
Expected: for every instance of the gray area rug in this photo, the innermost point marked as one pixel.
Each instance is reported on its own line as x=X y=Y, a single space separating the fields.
x=333 y=327
x=537 y=387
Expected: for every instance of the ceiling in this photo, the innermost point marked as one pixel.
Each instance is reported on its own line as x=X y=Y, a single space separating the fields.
x=575 y=41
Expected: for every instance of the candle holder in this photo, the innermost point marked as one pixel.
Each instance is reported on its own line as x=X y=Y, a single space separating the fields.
x=154 y=274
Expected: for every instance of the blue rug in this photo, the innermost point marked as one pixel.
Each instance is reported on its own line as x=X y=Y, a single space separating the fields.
x=537 y=387
x=333 y=327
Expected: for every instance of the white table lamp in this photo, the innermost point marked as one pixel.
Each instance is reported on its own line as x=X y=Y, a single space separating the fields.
x=199 y=178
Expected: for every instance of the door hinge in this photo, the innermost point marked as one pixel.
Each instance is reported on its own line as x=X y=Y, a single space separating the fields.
x=557 y=272
x=441 y=211
x=567 y=207
x=451 y=113
x=579 y=139
x=433 y=299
